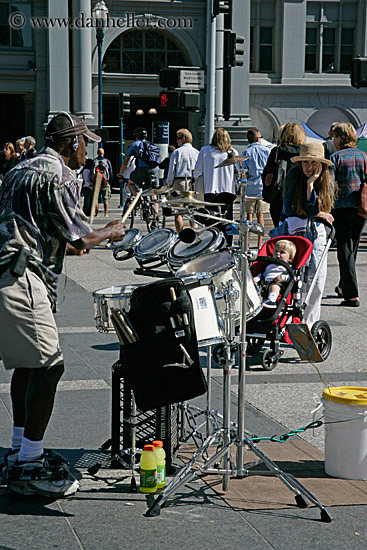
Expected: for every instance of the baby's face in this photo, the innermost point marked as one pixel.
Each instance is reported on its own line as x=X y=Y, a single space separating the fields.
x=281 y=254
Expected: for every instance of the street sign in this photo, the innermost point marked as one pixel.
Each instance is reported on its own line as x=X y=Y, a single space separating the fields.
x=191 y=80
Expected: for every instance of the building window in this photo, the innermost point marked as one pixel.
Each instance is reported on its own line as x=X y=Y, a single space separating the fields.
x=330 y=36
x=9 y=36
x=262 y=36
x=142 y=51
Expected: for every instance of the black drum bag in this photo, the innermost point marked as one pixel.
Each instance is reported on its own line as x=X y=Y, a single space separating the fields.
x=156 y=366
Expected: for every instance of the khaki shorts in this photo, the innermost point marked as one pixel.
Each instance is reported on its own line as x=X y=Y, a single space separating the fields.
x=28 y=335
x=106 y=192
x=256 y=206
x=179 y=184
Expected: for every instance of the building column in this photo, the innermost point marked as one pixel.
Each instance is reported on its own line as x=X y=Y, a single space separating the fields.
x=82 y=60
x=294 y=39
x=240 y=120
x=219 y=72
x=58 y=60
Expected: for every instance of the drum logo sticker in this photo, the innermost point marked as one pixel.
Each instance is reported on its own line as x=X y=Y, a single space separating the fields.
x=202 y=303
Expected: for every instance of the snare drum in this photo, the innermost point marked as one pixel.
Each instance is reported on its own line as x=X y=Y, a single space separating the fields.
x=208 y=325
x=153 y=247
x=222 y=267
x=117 y=297
x=180 y=253
x=130 y=240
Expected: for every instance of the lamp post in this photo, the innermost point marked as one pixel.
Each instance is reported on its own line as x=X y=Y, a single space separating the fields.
x=100 y=14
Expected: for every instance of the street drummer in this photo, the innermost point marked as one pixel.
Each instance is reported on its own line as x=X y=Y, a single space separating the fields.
x=181 y=167
x=39 y=214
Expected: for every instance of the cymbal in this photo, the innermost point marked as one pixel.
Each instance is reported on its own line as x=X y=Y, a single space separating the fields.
x=152 y=192
x=231 y=160
x=193 y=201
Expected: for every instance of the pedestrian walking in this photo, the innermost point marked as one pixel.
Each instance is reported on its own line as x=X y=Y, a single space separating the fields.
x=181 y=167
x=349 y=172
x=291 y=137
x=219 y=183
x=254 y=166
x=102 y=166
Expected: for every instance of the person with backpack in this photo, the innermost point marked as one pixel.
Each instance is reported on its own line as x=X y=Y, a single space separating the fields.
x=147 y=159
x=291 y=137
x=102 y=166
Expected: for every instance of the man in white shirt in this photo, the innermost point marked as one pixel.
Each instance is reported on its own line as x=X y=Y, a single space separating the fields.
x=254 y=166
x=181 y=167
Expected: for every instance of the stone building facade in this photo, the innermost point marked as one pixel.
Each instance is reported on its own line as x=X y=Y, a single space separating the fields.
x=296 y=64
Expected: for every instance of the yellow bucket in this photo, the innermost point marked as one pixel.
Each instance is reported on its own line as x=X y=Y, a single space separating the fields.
x=345 y=413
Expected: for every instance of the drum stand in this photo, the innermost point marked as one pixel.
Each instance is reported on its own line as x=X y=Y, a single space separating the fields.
x=237 y=438
x=121 y=456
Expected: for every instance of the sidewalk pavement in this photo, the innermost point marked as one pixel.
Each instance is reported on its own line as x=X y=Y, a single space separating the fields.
x=103 y=514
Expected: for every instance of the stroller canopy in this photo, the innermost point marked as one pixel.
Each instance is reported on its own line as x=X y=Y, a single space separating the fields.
x=304 y=249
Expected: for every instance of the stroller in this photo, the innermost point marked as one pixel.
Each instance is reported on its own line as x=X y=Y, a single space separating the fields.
x=271 y=324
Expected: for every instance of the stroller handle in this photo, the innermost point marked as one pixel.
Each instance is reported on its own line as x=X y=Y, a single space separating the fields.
x=327 y=224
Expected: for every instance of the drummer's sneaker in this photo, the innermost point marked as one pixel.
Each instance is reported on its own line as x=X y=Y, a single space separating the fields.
x=41 y=477
x=8 y=461
x=269 y=304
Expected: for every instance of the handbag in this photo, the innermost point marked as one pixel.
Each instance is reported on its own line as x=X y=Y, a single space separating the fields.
x=362 y=207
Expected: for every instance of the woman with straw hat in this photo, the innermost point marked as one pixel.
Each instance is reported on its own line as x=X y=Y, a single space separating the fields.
x=309 y=192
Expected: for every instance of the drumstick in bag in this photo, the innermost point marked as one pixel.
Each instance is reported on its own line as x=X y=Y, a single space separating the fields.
x=174 y=298
x=127 y=213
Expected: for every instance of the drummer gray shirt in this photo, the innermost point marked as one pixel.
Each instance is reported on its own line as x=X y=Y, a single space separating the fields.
x=182 y=162
x=39 y=208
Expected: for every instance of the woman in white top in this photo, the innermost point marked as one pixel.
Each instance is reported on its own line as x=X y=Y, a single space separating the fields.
x=219 y=183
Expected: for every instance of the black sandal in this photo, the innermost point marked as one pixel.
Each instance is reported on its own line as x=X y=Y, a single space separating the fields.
x=350 y=303
x=338 y=292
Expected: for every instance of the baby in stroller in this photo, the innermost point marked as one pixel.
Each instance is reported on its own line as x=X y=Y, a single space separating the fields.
x=271 y=324
x=275 y=274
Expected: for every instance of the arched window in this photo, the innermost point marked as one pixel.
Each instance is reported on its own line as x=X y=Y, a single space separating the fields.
x=143 y=51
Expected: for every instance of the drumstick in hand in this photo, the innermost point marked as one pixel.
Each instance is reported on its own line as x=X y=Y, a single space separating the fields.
x=127 y=213
x=97 y=189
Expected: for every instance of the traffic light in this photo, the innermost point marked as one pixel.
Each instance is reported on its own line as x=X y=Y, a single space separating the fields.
x=124 y=104
x=233 y=49
x=221 y=6
x=190 y=101
x=169 y=78
x=359 y=72
x=169 y=101
x=103 y=133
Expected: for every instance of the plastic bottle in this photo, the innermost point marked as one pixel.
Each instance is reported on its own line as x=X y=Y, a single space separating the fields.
x=161 y=463
x=148 y=470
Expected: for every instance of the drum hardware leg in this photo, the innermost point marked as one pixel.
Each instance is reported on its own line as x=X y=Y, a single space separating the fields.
x=209 y=392
x=241 y=440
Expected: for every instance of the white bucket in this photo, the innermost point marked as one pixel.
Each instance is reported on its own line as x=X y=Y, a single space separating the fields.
x=345 y=414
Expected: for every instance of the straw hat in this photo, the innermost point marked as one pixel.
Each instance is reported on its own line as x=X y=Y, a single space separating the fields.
x=312 y=151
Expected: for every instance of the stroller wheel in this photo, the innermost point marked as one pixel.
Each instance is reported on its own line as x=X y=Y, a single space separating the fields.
x=267 y=360
x=254 y=345
x=321 y=333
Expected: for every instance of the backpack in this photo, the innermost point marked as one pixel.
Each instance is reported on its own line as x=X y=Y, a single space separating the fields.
x=150 y=153
x=273 y=177
x=100 y=166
